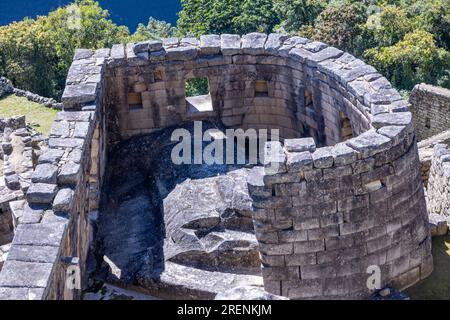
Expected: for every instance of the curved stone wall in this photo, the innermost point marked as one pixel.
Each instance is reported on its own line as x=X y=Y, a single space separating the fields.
x=326 y=214
x=302 y=94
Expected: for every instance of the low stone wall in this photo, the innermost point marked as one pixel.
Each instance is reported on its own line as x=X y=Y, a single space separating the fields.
x=62 y=194
x=426 y=152
x=6 y=87
x=438 y=186
x=429 y=106
x=48 y=102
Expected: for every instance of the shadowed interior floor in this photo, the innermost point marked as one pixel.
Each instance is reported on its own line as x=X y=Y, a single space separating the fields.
x=179 y=231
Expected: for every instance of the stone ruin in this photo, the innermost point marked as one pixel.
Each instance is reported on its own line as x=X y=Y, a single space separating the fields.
x=105 y=198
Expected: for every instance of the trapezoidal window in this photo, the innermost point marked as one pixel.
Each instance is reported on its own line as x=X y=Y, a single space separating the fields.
x=198 y=97
x=261 y=88
x=134 y=101
x=158 y=75
x=346 y=127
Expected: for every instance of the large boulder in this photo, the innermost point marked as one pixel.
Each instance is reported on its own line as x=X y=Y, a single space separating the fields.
x=5 y=86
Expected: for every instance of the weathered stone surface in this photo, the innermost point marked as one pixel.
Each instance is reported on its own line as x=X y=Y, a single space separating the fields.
x=41 y=234
x=51 y=156
x=248 y=293
x=41 y=193
x=343 y=154
x=45 y=173
x=181 y=53
x=69 y=174
x=392 y=119
x=150 y=45
x=12 y=182
x=30 y=253
x=274 y=42
x=221 y=221
x=63 y=200
x=60 y=129
x=299 y=145
x=209 y=44
x=253 y=43
x=230 y=44
x=323 y=157
x=370 y=143
x=25 y=274
x=65 y=142
x=299 y=161
x=7 y=293
x=75 y=95
x=83 y=54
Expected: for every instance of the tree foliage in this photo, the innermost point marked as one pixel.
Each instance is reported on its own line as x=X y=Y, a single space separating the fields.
x=36 y=53
x=413 y=60
x=155 y=29
x=339 y=26
x=226 y=16
x=407 y=40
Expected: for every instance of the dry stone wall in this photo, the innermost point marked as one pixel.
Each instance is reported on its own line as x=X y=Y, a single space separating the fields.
x=331 y=210
x=426 y=148
x=438 y=188
x=429 y=106
x=62 y=196
x=259 y=81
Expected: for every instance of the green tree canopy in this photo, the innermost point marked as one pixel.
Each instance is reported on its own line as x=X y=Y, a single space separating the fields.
x=36 y=54
x=413 y=60
x=155 y=29
x=199 y=17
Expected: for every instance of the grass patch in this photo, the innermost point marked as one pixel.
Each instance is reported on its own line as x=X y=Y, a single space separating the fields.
x=436 y=286
x=39 y=116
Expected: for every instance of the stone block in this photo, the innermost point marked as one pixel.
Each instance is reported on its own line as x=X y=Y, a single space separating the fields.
x=26 y=274
x=63 y=200
x=41 y=193
x=370 y=143
x=230 y=44
x=343 y=155
x=210 y=44
x=51 y=156
x=60 y=129
x=77 y=94
x=300 y=145
x=30 y=253
x=323 y=157
x=181 y=53
x=274 y=42
x=69 y=174
x=308 y=246
x=280 y=273
x=301 y=259
x=45 y=173
x=65 y=143
x=253 y=43
x=299 y=161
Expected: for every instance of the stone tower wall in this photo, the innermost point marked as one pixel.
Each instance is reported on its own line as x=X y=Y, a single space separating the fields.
x=320 y=220
x=430 y=106
x=297 y=101
x=438 y=189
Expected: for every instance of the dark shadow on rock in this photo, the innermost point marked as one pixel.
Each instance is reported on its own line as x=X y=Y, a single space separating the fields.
x=140 y=176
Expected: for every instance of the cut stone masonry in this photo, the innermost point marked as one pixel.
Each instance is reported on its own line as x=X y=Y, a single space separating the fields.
x=337 y=204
